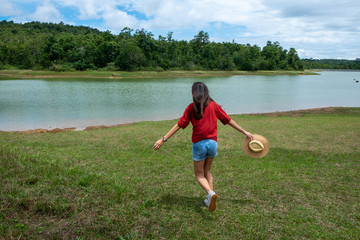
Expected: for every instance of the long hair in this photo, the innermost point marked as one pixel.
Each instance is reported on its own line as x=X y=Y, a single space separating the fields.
x=201 y=98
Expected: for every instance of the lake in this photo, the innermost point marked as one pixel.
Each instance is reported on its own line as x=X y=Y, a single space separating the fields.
x=31 y=104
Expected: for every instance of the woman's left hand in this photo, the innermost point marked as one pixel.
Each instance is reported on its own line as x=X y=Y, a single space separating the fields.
x=158 y=144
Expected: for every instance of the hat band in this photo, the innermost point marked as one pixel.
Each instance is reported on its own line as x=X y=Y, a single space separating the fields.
x=256 y=146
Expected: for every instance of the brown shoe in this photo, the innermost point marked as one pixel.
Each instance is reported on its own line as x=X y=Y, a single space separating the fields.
x=212 y=205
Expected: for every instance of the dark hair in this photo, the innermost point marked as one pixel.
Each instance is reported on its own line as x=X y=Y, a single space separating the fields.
x=201 y=98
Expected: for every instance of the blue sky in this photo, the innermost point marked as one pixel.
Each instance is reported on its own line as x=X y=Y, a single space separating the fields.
x=316 y=28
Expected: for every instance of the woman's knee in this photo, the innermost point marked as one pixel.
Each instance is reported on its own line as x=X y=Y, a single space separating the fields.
x=199 y=173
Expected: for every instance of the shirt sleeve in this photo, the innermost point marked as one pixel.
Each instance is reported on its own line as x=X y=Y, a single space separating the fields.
x=222 y=115
x=186 y=117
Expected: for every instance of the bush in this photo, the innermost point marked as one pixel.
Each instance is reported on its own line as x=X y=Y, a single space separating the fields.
x=80 y=65
x=61 y=67
x=110 y=67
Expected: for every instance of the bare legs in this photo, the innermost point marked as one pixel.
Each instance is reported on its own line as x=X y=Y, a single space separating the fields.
x=203 y=174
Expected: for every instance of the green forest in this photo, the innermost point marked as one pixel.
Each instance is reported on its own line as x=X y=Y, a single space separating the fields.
x=331 y=64
x=61 y=47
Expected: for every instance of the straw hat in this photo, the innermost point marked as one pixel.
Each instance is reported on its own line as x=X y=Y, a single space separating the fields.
x=256 y=148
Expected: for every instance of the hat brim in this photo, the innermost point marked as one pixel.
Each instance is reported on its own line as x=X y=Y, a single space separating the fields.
x=265 y=142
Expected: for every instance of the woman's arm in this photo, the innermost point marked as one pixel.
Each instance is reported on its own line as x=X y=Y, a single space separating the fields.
x=160 y=142
x=233 y=124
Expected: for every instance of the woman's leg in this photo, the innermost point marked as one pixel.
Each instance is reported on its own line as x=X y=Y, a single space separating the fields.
x=207 y=173
x=204 y=178
x=199 y=167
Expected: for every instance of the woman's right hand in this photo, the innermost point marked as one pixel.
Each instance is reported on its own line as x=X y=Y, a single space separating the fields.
x=249 y=135
x=158 y=144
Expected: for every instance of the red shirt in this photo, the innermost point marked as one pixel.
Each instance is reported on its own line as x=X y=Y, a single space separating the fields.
x=205 y=128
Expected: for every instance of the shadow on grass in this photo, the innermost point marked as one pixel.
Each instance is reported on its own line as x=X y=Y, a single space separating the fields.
x=182 y=203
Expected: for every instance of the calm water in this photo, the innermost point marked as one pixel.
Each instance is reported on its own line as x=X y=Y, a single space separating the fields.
x=31 y=104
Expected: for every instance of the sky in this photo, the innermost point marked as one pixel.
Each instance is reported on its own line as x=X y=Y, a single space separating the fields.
x=315 y=28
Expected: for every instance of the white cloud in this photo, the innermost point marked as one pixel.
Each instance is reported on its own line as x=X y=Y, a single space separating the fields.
x=88 y=9
x=106 y=10
x=116 y=20
x=45 y=12
x=192 y=13
x=8 y=9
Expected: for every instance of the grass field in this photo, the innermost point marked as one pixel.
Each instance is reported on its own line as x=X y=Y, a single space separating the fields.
x=109 y=183
x=30 y=74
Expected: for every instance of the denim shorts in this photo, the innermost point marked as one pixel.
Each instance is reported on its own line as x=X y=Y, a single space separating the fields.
x=203 y=149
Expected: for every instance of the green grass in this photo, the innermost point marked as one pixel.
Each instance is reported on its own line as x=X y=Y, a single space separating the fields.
x=30 y=74
x=109 y=183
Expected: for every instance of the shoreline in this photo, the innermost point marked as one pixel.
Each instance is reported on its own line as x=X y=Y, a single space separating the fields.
x=293 y=113
x=32 y=74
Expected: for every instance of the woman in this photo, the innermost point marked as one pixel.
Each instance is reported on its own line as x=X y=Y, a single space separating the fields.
x=203 y=114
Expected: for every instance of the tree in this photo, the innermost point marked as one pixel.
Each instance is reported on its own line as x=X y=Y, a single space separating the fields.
x=199 y=42
x=274 y=56
x=130 y=57
x=126 y=33
x=105 y=53
x=146 y=42
x=293 y=60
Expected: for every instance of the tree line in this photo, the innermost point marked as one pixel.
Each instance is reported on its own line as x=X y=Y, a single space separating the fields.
x=331 y=64
x=62 y=47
